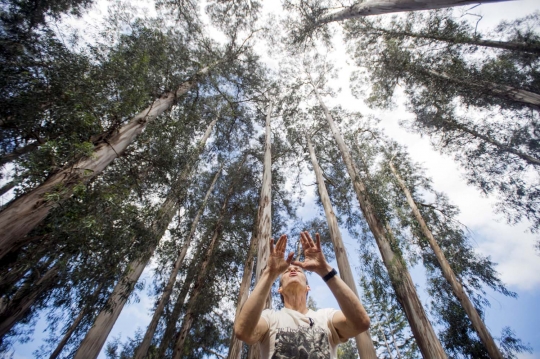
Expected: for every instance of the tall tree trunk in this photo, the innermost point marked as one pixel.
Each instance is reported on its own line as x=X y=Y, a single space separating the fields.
x=365 y=346
x=235 y=346
x=402 y=283
x=18 y=152
x=449 y=274
x=171 y=323
x=5 y=188
x=25 y=297
x=505 y=92
x=97 y=335
x=23 y=214
x=147 y=340
x=202 y=277
x=379 y=7
x=504 y=45
x=264 y=232
x=386 y=344
x=76 y=322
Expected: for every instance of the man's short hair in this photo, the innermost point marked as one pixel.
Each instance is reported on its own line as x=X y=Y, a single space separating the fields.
x=281 y=282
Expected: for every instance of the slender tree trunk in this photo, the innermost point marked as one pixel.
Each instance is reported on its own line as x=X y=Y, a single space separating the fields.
x=171 y=323
x=264 y=232
x=365 y=346
x=235 y=347
x=449 y=274
x=5 y=188
x=23 y=214
x=18 y=152
x=96 y=337
x=460 y=127
x=76 y=323
x=201 y=278
x=506 y=92
x=25 y=297
x=147 y=340
x=504 y=45
x=379 y=7
x=386 y=344
x=404 y=288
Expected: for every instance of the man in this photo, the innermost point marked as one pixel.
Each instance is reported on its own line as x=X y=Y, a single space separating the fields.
x=296 y=331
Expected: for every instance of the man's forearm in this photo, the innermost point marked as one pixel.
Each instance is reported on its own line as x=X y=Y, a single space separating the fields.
x=248 y=318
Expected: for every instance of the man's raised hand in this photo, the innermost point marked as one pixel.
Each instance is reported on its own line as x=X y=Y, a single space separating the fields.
x=277 y=263
x=313 y=256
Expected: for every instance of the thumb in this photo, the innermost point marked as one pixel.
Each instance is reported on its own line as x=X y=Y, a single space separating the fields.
x=297 y=263
x=290 y=257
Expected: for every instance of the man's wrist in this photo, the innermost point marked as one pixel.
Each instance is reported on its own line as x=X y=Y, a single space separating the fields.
x=325 y=270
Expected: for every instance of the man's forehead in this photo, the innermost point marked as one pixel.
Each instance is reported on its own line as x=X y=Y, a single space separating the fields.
x=295 y=268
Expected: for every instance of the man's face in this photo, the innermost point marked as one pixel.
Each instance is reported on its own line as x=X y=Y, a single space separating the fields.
x=293 y=274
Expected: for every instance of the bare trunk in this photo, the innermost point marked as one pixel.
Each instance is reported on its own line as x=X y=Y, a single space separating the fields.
x=95 y=338
x=5 y=188
x=25 y=297
x=386 y=344
x=402 y=283
x=264 y=232
x=18 y=152
x=449 y=275
x=201 y=278
x=171 y=324
x=506 y=92
x=75 y=323
x=27 y=211
x=379 y=7
x=147 y=340
x=365 y=346
x=235 y=347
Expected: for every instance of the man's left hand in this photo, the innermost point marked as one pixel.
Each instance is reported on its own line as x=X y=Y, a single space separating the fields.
x=313 y=256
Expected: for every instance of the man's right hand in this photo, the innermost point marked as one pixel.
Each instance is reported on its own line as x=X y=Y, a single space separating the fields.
x=277 y=263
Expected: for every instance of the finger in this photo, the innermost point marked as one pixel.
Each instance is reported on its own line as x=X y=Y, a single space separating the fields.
x=290 y=258
x=271 y=245
x=318 y=239
x=309 y=240
x=304 y=241
x=281 y=244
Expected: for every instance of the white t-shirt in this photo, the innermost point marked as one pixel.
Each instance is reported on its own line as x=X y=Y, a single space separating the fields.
x=293 y=335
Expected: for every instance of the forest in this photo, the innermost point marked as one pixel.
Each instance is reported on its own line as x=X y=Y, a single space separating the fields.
x=150 y=150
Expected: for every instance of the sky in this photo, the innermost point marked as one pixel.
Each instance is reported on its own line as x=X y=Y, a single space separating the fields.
x=509 y=246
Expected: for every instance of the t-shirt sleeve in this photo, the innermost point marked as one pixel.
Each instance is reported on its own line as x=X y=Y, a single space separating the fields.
x=335 y=339
x=268 y=315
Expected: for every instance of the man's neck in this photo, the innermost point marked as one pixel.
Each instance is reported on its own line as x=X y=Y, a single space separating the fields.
x=296 y=302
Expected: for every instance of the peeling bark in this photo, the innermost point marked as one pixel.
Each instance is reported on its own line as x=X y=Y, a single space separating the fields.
x=27 y=211
x=449 y=274
x=365 y=346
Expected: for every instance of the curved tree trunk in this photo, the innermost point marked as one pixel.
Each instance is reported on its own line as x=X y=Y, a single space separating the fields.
x=235 y=346
x=142 y=350
x=97 y=335
x=264 y=232
x=16 y=308
x=449 y=275
x=402 y=283
x=27 y=211
x=379 y=7
x=365 y=346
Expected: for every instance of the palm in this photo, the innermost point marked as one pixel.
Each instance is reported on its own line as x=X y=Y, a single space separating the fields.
x=313 y=256
x=276 y=261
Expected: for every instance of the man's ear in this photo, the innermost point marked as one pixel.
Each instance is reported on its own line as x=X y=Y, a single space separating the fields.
x=280 y=289
x=308 y=288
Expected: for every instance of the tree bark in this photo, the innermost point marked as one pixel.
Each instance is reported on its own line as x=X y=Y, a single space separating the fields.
x=365 y=346
x=18 y=152
x=379 y=7
x=505 y=92
x=147 y=340
x=5 y=188
x=27 y=211
x=402 y=283
x=449 y=274
x=97 y=335
x=76 y=323
x=235 y=347
x=201 y=278
x=16 y=308
x=264 y=232
x=386 y=344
